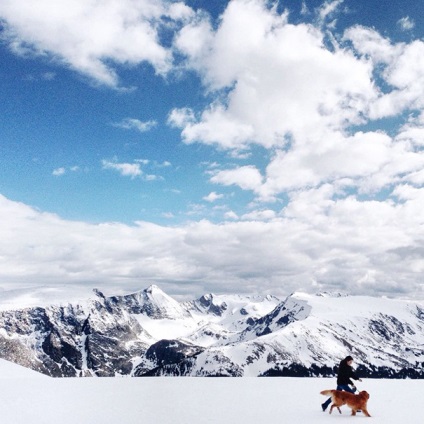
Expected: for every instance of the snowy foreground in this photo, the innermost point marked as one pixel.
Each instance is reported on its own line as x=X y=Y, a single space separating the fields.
x=28 y=397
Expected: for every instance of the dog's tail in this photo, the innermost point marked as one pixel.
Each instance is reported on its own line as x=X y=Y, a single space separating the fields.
x=327 y=392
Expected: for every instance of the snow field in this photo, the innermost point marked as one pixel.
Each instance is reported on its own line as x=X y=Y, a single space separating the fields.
x=36 y=399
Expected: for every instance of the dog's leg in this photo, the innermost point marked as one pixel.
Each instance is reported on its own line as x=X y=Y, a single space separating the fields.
x=340 y=411
x=353 y=412
x=365 y=411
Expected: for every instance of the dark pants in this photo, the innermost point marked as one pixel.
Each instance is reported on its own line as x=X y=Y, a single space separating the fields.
x=346 y=388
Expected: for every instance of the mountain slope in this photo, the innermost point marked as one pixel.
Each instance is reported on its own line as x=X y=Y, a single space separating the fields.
x=308 y=335
x=150 y=333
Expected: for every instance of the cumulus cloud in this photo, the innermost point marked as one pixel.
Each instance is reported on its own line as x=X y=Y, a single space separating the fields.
x=126 y=169
x=280 y=79
x=213 y=196
x=401 y=68
x=231 y=215
x=180 y=117
x=246 y=177
x=412 y=132
x=364 y=162
x=280 y=86
x=89 y=36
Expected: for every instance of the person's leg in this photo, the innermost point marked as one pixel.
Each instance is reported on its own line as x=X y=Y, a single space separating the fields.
x=325 y=404
x=346 y=388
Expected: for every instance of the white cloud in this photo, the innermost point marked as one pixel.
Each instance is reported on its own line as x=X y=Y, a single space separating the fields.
x=134 y=169
x=214 y=127
x=152 y=177
x=407 y=192
x=126 y=169
x=180 y=11
x=62 y=170
x=195 y=37
x=49 y=76
x=279 y=78
x=406 y=23
x=413 y=131
x=403 y=71
x=246 y=177
x=168 y=215
x=213 y=196
x=340 y=157
x=327 y=9
x=89 y=36
x=231 y=215
x=45 y=76
x=304 y=9
x=181 y=117
x=259 y=215
x=316 y=242
x=278 y=85
x=367 y=162
x=135 y=124
x=369 y=42
x=59 y=171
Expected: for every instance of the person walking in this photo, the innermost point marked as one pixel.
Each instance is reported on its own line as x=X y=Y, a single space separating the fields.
x=344 y=376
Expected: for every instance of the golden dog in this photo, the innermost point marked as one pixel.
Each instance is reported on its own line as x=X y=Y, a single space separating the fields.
x=355 y=402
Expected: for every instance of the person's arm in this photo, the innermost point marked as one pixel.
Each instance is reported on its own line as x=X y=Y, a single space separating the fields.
x=353 y=375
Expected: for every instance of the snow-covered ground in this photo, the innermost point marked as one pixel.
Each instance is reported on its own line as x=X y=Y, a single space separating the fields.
x=27 y=397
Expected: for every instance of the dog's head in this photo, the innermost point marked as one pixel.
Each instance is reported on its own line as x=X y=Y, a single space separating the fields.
x=364 y=394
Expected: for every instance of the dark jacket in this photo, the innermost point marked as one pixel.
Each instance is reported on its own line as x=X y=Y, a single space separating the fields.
x=345 y=374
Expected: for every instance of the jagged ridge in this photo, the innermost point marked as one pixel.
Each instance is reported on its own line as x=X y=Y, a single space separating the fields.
x=150 y=333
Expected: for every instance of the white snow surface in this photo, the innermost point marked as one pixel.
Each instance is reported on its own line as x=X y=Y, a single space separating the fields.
x=9 y=370
x=30 y=398
x=191 y=326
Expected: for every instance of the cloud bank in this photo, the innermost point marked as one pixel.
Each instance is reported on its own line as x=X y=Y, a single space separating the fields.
x=317 y=243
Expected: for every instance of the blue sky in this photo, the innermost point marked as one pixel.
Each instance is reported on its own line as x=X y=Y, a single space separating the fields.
x=234 y=146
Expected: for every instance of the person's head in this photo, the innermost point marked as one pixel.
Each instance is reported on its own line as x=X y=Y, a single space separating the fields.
x=348 y=360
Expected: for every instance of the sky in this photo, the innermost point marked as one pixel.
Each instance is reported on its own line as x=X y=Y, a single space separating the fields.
x=242 y=146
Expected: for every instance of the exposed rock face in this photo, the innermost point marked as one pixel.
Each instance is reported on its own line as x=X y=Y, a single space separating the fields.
x=100 y=338
x=207 y=304
x=167 y=352
x=285 y=313
x=150 y=334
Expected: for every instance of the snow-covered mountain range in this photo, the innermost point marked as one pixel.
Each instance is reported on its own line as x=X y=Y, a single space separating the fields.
x=149 y=333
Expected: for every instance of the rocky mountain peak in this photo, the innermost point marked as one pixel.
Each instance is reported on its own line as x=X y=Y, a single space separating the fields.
x=208 y=303
x=158 y=305
x=99 y=294
x=153 y=289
